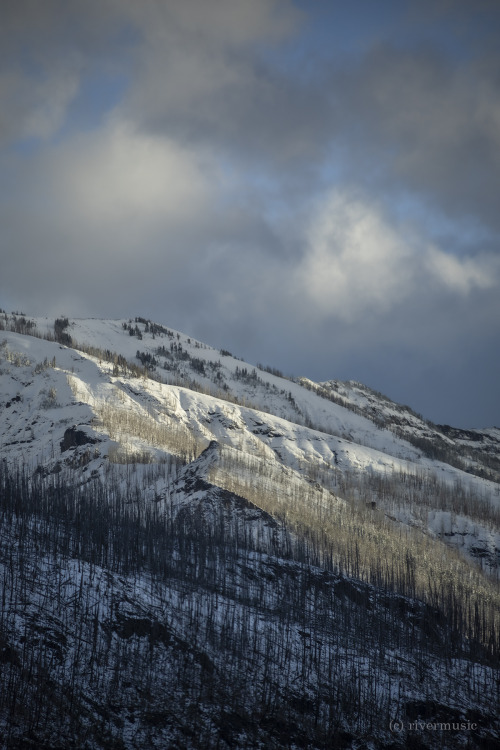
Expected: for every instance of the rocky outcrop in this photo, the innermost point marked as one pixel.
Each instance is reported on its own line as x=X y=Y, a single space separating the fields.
x=76 y=436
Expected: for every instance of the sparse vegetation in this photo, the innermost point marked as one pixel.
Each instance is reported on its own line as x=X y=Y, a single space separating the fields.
x=49 y=398
x=18 y=359
x=60 y=333
x=121 y=422
x=133 y=601
x=351 y=539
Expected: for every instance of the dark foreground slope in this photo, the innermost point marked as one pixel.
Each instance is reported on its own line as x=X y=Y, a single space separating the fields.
x=208 y=625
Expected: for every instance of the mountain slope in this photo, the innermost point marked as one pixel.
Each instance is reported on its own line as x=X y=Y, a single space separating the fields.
x=289 y=571
x=475 y=451
x=153 y=416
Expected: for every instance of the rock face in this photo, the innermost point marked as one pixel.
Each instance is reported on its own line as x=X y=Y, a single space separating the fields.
x=74 y=437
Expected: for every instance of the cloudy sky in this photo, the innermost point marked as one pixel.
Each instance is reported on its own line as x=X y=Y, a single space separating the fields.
x=312 y=185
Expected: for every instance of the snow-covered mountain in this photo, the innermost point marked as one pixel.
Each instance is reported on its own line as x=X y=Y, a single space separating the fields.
x=294 y=564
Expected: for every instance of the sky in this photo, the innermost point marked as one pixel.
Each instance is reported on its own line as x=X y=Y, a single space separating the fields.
x=312 y=185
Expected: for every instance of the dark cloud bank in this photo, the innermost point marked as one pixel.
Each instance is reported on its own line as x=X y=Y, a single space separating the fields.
x=225 y=168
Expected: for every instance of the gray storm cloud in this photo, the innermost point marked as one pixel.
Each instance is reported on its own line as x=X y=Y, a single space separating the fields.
x=335 y=210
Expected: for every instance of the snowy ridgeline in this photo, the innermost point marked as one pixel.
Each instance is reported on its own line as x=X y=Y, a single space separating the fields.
x=135 y=418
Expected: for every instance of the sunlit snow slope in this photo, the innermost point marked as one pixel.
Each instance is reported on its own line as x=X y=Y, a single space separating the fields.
x=132 y=390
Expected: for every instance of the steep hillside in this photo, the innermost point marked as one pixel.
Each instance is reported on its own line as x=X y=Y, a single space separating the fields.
x=476 y=451
x=283 y=559
x=323 y=431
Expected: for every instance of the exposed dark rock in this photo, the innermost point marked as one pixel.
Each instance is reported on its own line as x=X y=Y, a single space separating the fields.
x=459 y=434
x=74 y=437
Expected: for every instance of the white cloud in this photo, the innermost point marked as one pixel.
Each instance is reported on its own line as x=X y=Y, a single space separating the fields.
x=119 y=175
x=356 y=263
x=462 y=275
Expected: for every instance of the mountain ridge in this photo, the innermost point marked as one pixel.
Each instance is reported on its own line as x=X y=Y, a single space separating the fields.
x=231 y=489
